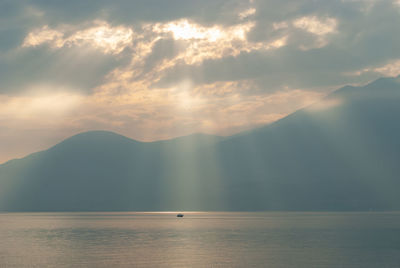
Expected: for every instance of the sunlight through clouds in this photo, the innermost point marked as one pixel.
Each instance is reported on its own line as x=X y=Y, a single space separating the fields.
x=214 y=42
x=325 y=104
x=222 y=107
x=39 y=106
x=185 y=30
x=220 y=67
x=129 y=93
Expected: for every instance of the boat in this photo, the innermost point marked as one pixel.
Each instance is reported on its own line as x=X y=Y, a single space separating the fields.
x=180 y=215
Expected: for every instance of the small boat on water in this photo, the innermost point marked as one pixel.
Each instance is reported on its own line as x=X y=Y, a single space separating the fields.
x=180 y=215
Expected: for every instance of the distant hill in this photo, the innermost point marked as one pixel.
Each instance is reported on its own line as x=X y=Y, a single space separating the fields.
x=341 y=153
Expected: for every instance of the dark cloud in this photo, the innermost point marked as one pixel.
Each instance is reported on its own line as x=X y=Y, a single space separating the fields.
x=134 y=11
x=16 y=19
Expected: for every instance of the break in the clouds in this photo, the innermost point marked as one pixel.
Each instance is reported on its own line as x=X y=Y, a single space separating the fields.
x=158 y=69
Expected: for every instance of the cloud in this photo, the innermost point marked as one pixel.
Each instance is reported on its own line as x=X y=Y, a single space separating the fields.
x=157 y=69
x=76 y=68
x=15 y=20
x=321 y=43
x=213 y=42
x=392 y=69
x=207 y=50
x=110 y=40
x=247 y=13
x=39 y=104
x=138 y=11
x=316 y=26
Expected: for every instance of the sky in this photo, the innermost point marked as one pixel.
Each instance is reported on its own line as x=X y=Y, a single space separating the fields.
x=159 y=69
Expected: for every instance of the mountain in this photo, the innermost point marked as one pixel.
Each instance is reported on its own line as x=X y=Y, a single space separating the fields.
x=97 y=170
x=341 y=153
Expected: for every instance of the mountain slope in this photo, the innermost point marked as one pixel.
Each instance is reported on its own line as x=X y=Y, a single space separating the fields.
x=99 y=170
x=339 y=154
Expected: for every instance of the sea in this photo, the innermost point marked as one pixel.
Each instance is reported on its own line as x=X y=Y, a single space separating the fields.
x=200 y=239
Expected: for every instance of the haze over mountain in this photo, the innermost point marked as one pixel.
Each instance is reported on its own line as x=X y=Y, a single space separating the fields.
x=341 y=153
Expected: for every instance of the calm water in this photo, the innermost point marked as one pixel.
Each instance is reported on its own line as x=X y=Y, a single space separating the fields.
x=200 y=240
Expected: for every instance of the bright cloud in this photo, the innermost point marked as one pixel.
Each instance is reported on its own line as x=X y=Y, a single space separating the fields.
x=109 y=39
x=319 y=27
x=185 y=30
x=101 y=36
x=247 y=13
x=316 y=25
x=392 y=68
x=44 y=35
x=214 y=42
x=201 y=42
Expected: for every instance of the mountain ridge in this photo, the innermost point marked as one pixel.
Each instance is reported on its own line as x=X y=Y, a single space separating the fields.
x=328 y=156
x=393 y=81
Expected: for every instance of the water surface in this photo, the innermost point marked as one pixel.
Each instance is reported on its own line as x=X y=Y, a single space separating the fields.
x=200 y=239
